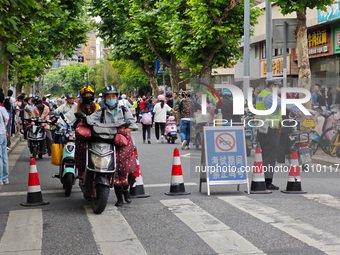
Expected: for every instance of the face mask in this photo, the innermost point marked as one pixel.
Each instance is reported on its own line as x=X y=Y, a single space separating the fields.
x=111 y=102
x=88 y=100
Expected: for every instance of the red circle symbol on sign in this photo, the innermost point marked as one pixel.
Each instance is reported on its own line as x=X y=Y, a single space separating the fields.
x=225 y=142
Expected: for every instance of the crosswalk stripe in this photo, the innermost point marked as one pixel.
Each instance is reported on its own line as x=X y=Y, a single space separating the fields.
x=216 y=234
x=325 y=199
x=113 y=234
x=302 y=231
x=23 y=233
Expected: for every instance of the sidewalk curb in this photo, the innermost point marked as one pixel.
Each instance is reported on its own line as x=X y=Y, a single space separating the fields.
x=325 y=162
x=14 y=143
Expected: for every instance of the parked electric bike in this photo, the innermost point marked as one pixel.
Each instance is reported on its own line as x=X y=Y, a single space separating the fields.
x=324 y=120
x=100 y=163
x=67 y=169
x=36 y=136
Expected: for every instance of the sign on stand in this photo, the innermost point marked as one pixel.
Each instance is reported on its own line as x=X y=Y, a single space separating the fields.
x=224 y=157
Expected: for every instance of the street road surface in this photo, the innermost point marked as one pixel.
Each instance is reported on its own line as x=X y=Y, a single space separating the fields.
x=227 y=222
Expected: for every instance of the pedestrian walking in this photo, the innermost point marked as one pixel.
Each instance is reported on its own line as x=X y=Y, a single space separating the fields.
x=176 y=104
x=146 y=121
x=3 y=145
x=187 y=107
x=160 y=111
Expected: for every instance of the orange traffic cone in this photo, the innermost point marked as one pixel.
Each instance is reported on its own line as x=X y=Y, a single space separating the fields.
x=34 y=196
x=137 y=188
x=258 y=184
x=177 y=182
x=294 y=180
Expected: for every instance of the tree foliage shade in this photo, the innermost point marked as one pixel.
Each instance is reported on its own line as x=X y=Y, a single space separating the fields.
x=33 y=33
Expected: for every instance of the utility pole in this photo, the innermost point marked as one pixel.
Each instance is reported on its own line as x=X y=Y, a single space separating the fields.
x=246 y=74
x=269 y=51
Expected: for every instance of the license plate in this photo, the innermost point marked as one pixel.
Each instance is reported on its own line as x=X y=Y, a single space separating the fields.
x=172 y=132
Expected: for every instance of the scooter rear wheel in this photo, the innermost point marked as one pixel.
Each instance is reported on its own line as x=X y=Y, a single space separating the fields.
x=99 y=198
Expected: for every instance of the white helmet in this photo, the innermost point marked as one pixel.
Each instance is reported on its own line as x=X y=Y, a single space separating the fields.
x=124 y=96
x=100 y=94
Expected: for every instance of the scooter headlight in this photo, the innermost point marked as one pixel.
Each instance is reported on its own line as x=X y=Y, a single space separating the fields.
x=101 y=162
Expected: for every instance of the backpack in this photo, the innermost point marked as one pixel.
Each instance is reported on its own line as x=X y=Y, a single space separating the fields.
x=147 y=118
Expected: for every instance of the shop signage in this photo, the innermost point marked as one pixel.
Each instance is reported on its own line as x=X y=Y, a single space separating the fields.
x=332 y=12
x=320 y=42
x=277 y=66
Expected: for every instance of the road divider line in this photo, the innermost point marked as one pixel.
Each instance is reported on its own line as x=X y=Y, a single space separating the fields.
x=325 y=199
x=302 y=231
x=215 y=233
x=23 y=233
x=113 y=233
x=22 y=193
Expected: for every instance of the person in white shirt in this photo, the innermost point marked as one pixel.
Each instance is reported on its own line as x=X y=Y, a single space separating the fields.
x=3 y=146
x=69 y=106
x=160 y=111
x=126 y=102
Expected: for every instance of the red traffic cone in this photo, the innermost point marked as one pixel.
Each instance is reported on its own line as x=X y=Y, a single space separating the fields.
x=258 y=184
x=294 y=180
x=137 y=188
x=177 y=182
x=34 y=196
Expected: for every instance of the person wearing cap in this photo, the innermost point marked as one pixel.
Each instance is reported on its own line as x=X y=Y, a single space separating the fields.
x=269 y=137
x=69 y=106
x=186 y=109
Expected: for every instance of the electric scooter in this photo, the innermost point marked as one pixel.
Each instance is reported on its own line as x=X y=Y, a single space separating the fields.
x=67 y=169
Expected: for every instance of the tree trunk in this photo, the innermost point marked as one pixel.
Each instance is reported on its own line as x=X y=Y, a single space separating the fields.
x=4 y=67
x=18 y=87
x=151 y=73
x=302 y=48
x=205 y=74
x=173 y=73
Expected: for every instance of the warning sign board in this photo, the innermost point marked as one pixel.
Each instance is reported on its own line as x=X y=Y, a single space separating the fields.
x=224 y=157
x=225 y=142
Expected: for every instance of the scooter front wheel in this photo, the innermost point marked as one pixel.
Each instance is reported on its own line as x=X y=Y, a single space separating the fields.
x=68 y=182
x=34 y=152
x=99 y=198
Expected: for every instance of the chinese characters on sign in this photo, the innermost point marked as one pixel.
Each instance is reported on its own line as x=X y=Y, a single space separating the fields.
x=317 y=38
x=317 y=42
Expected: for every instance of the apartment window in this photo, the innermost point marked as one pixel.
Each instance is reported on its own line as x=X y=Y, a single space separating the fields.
x=263 y=50
x=257 y=51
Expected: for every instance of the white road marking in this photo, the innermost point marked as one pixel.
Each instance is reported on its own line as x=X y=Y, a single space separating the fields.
x=216 y=234
x=167 y=184
x=302 y=231
x=191 y=155
x=53 y=191
x=325 y=199
x=113 y=234
x=23 y=233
